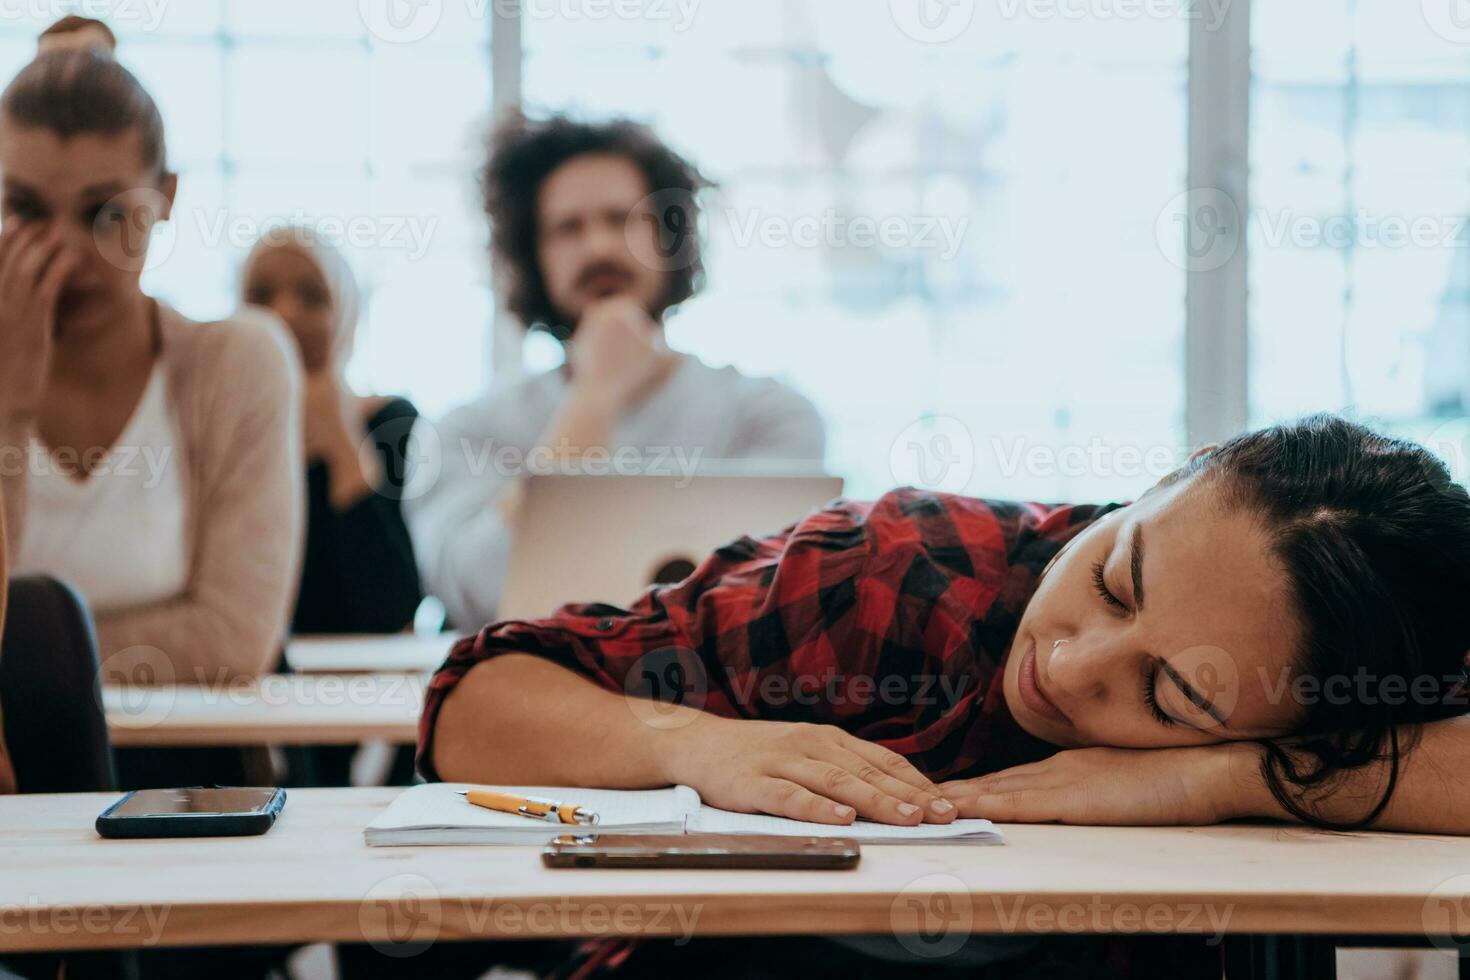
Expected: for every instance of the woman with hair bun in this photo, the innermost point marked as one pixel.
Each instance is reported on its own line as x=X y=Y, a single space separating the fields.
x=150 y=461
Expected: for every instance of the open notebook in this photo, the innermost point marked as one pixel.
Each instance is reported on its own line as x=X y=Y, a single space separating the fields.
x=435 y=813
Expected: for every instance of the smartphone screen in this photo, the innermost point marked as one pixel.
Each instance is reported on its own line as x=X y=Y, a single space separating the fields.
x=196 y=801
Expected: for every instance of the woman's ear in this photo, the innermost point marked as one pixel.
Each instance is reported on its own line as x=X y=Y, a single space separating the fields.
x=1203 y=451
x=1178 y=474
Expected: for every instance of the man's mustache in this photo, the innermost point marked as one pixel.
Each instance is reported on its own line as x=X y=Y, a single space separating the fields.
x=603 y=269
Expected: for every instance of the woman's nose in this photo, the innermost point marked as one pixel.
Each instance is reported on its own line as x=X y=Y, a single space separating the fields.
x=1078 y=668
x=287 y=310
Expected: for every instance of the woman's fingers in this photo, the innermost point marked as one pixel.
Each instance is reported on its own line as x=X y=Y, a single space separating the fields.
x=936 y=808
x=17 y=248
x=929 y=799
x=1013 y=806
x=54 y=276
x=784 y=798
x=31 y=264
x=839 y=785
x=1019 y=795
x=888 y=760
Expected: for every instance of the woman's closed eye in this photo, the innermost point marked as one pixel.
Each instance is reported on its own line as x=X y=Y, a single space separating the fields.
x=1151 y=696
x=1099 y=582
x=23 y=208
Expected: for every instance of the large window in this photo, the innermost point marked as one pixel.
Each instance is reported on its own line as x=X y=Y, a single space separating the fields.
x=1360 y=215
x=316 y=113
x=957 y=227
x=945 y=235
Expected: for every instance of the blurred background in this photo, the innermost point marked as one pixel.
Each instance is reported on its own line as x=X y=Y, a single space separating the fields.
x=964 y=228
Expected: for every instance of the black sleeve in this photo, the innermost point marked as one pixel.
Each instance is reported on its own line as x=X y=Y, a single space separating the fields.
x=378 y=579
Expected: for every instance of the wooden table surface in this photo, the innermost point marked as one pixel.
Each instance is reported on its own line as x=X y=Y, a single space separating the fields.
x=278 y=709
x=402 y=652
x=312 y=879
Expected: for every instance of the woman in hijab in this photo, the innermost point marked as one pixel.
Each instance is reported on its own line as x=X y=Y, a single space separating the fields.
x=359 y=574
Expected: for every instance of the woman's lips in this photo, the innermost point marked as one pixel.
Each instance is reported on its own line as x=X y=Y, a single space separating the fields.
x=1030 y=688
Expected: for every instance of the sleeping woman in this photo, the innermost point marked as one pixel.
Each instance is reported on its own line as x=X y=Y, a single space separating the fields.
x=1278 y=629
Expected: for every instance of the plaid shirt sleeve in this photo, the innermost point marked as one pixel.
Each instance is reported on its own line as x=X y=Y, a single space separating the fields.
x=890 y=619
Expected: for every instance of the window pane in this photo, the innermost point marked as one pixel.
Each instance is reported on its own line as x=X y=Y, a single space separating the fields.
x=284 y=111
x=1360 y=256
x=289 y=103
x=1022 y=304
x=186 y=79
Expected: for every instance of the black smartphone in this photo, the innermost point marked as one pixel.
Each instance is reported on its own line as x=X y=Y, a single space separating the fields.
x=700 y=851
x=193 y=811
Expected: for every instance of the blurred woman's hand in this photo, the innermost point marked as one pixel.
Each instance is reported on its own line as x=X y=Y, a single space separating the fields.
x=34 y=264
x=324 y=416
x=808 y=772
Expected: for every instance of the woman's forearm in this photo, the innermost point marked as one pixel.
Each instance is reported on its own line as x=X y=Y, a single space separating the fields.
x=1431 y=796
x=519 y=719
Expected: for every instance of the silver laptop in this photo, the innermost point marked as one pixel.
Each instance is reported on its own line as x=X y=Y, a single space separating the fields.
x=608 y=538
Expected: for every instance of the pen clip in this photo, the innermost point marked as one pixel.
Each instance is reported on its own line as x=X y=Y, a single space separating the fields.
x=556 y=812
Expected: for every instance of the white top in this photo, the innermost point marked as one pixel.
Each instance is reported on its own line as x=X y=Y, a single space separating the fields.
x=119 y=536
x=461 y=464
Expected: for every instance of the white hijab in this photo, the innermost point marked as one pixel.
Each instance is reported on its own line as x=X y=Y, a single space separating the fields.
x=342 y=287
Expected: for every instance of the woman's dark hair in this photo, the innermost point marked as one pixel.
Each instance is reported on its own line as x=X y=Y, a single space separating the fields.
x=1374 y=538
x=87 y=91
x=523 y=153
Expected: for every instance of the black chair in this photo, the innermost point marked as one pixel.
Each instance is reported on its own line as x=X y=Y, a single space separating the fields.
x=54 y=725
x=55 y=728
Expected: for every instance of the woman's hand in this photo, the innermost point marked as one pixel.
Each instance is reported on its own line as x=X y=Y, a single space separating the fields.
x=1120 y=787
x=34 y=264
x=333 y=435
x=808 y=772
x=324 y=417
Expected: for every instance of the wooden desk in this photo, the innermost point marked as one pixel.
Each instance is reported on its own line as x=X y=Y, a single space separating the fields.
x=279 y=709
x=403 y=652
x=312 y=879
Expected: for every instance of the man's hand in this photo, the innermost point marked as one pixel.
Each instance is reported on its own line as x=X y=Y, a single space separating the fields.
x=618 y=351
x=34 y=265
x=817 y=773
x=1119 y=787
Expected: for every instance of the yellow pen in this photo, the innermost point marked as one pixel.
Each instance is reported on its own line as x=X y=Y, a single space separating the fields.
x=552 y=811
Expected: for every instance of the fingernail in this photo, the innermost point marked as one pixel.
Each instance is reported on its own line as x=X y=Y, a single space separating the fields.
x=941 y=806
x=843 y=811
x=907 y=809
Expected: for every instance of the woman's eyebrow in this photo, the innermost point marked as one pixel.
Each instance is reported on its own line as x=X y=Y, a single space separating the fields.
x=1137 y=567
x=1195 y=697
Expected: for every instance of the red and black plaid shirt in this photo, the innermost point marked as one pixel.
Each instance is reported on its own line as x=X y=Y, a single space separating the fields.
x=889 y=619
